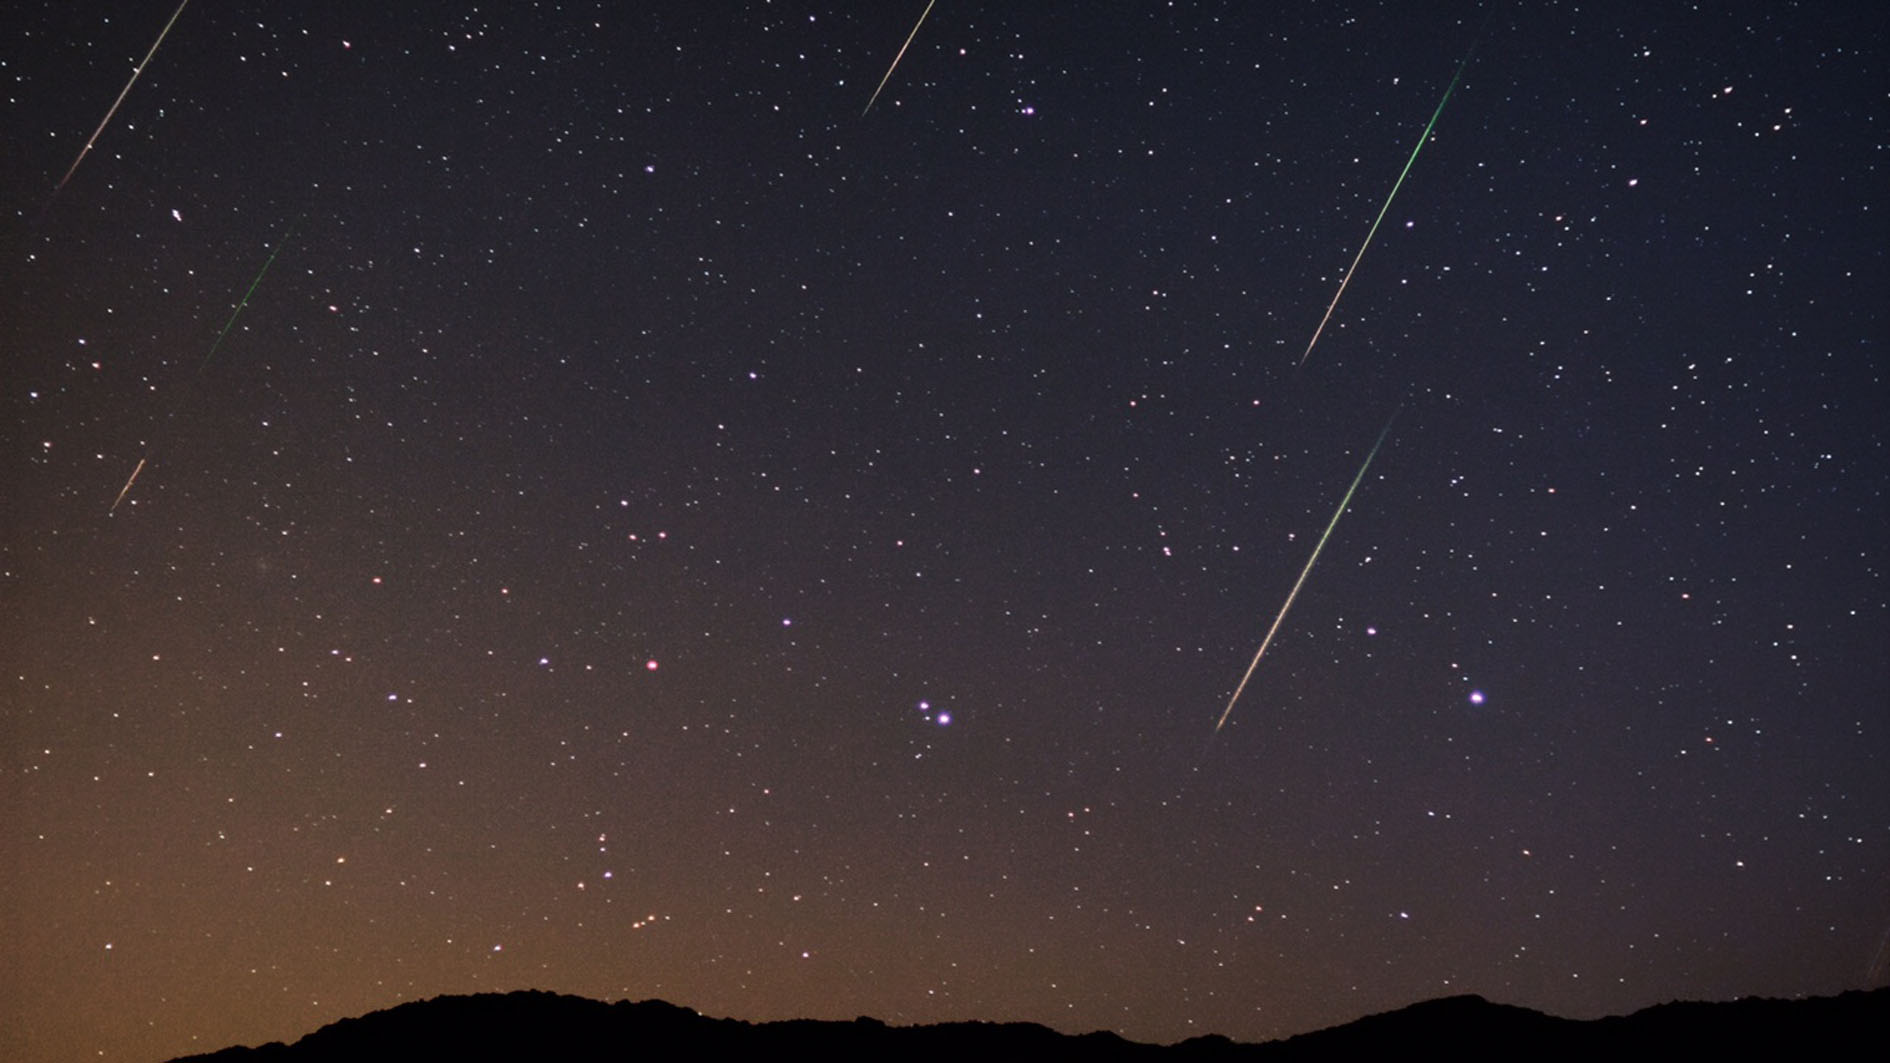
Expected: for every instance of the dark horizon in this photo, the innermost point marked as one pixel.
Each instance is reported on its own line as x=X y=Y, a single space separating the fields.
x=550 y=1026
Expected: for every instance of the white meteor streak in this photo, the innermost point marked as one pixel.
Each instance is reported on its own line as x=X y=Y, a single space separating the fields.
x=1303 y=573
x=125 y=490
x=126 y=91
x=896 y=58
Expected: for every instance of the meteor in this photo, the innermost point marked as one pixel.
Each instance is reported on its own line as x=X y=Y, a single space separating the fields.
x=123 y=491
x=280 y=244
x=1303 y=573
x=1382 y=210
x=896 y=58
x=126 y=91
x=205 y=364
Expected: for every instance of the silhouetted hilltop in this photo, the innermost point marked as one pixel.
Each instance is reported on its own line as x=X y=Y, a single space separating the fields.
x=548 y=1026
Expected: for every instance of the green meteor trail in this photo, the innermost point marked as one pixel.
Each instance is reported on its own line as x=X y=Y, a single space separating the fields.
x=243 y=302
x=1387 y=207
x=205 y=364
x=1303 y=573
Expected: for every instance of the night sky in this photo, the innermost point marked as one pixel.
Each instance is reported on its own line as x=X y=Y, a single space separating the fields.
x=656 y=531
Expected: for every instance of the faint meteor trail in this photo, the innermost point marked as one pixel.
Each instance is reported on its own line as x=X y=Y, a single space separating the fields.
x=127 y=488
x=896 y=58
x=280 y=244
x=205 y=364
x=126 y=91
x=1303 y=573
x=1387 y=207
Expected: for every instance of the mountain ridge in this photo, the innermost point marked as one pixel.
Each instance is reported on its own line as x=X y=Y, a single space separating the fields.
x=545 y=1025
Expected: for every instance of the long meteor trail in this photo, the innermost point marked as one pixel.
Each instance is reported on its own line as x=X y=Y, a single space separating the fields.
x=1376 y=222
x=205 y=364
x=126 y=91
x=896 y=58
x=1303 y=573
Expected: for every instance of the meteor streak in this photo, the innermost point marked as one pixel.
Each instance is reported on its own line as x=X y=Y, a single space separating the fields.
x=896 y=58
x=123 y=491
x=1303 y=573
x=205 y=364
x=245 y=300
x=126 y=91
x=1382 y=210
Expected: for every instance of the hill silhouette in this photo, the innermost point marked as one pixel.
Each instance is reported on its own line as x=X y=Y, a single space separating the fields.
x=549 y=1026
